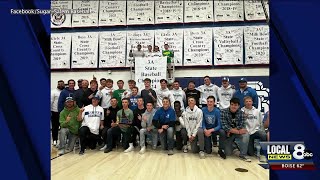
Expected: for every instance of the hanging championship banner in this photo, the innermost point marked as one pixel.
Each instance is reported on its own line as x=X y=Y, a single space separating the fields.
x=84 y=50
x=198 y=47
x=174 y=38
x=60 y=50
x=228 y=10
x=144 y=38
x=112 y=49
x=254 y=10
x=168 y=12
x=87 y=15
x=198 y=11
x=257 y=44
x=112 y=13
x=228 y=45
x=140 y=12
x=154 y=68
x=59 y=18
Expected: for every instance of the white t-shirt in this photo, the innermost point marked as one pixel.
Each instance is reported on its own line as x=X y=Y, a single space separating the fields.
x=91 y=118
x=55 y=93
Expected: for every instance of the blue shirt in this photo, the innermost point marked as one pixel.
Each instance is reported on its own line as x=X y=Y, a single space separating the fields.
x=247 y=92
x=133 y=102
x=211 y=119
x=165 y=116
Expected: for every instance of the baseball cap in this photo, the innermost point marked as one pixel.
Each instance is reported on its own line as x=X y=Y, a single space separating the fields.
x=69 y=99
x=225 y=78
x=96 y=97
x=243 y=79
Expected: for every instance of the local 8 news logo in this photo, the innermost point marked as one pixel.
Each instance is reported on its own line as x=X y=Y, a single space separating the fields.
x=288 y=155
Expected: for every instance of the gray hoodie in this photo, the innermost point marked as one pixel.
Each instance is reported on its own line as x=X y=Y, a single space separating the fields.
x=192 y=120
x=224 y=96
x=161 y=93
x=149 y=116
x=179 y=95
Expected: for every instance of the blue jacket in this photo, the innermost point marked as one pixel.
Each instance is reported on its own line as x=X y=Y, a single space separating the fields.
x=211 y=119
x=247 y=92
x=164 y=117
x=62 y=98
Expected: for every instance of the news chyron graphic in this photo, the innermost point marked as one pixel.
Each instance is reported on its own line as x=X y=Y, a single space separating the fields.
x=288 y=155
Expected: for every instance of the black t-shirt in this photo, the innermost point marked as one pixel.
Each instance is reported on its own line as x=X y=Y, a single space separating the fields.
x=85 y=98
x=112 y=117
x=136 y=121
x=146 y=97
x=193 y=93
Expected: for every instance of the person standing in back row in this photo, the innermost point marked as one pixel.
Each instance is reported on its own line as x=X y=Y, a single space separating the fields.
x=55 y=93
x=164 y=92
x=192 y=92
x=178 y=94
x=148 y=94
x=67 y=92
x=244 y=90
x=119 y=92
x=225 y=93
x=206 y=90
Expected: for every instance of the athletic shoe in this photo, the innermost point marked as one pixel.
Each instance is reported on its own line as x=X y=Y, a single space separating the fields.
x=143 y=150
x=61 y=152
x=54 y=143
x=130 y=148
x=107 y=150
x=244 y=158
x=170 y=152
x=222 y=154
x=103 y=148
x=185 y=148
x=263 y=159
x=154 y=147
x=201 y=154
x=81 y=152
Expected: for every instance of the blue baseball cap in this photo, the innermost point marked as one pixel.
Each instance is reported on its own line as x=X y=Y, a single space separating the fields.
x=243 y=80
x=225 y=78
x=96 y=97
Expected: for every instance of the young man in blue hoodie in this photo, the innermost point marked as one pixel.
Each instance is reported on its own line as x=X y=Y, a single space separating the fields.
x=164 y=120
x=211 y=125
x=244 y=91
x=67 y=92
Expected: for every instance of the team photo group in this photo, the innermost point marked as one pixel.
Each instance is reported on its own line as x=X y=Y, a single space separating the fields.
x=188 y=119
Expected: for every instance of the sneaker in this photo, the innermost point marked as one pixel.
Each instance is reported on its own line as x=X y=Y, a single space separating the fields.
x=244 y=158
x=54 y=143
x=170 y=152
x=263 y=159
x=143 y=150
x=61 y=152
x=201 y=154
x=222 y=154
x=185 y=149
x=81 y=152
x=154 y=147
x=103 y=148
x=107 y=150
x=130 y=148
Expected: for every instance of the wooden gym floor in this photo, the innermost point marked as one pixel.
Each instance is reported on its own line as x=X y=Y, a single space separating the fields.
x=152 y=165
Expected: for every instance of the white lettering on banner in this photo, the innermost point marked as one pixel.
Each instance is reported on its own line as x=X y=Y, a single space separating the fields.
x=256 y=40
x=228 y=45
x=62 y=19
x=60 y=50
x=168 y=12
x=112 y=45
x=85 y=20
x=112 y=13
x=174 y=38
x=254 y=10
x=198 y=47
x=140 y=12
x=154 y=68
x=228 y=10
x=198 y=11
x=145 y=38
x=84 y=50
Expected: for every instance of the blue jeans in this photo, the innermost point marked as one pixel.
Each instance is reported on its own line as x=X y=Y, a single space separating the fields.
x=153 y=133
x=63 y=135
x=227 y=142
x=166 y=138
x=257 y=135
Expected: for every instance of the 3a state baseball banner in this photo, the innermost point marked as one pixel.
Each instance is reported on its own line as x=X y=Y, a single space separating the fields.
x=154 y=68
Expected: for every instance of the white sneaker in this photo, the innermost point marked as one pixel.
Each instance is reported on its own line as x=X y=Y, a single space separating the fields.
x=61 y=152
x=54 y=143
x=201 y=154
x=185 y=149
x=131 y=148
x=103 y=148
x=154 y=147
x=143 y=150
